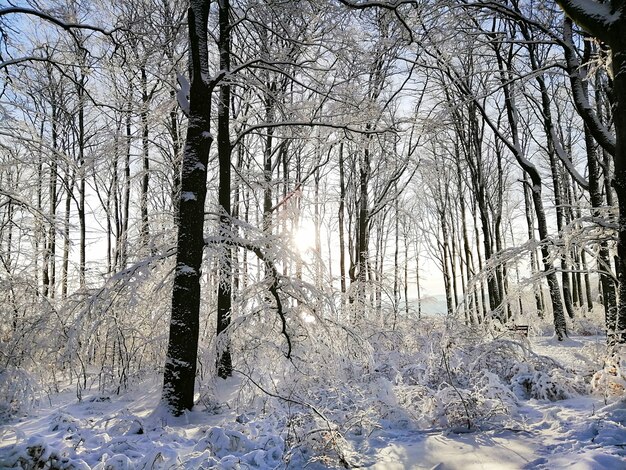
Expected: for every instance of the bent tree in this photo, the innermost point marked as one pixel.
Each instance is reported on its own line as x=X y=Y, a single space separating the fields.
x=182 y=350
x=607 y=21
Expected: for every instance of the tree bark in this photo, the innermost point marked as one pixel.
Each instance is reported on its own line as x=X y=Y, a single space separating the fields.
x=145 y=161
x=341 y=216
x=607 y=22
x=619 y=181
x=180 y=366
x=224 y=299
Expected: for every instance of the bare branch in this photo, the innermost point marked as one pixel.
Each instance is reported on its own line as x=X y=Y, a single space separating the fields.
x=274 y=286
x=54 y=20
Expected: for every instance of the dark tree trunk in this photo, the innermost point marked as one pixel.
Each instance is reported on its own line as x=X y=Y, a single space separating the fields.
x=49 y=265
x=145 y=161
x=531 y=235
x=444 y=248
x=619 y=181
x=362 y=254
x=454 y=255
x=482 y=314
x=82 y=177
x=418 y=284
x=342 y=203
x=123 y=240
x=66 y=232
x=180 y=366
x=396 y=259
x=224 y=299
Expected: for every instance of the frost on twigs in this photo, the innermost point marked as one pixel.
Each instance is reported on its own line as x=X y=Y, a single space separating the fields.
x=19 y=392
x=611 y=380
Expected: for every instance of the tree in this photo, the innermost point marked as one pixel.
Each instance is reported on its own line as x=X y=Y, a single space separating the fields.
x=607 y=22
x=224 y=149
x=182 y=351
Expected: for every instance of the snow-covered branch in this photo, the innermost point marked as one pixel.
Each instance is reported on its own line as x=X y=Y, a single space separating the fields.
x=599 y=131
x=68 y=26
x=274 y=286
x=595 y=17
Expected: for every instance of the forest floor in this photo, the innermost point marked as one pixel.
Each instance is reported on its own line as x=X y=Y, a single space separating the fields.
x=130 y=432
x=579 y=433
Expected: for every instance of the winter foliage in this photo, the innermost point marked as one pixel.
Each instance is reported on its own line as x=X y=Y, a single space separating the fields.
x=310 y=234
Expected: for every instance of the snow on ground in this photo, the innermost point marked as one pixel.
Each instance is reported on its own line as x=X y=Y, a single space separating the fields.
x=132 y=432
x=582 y=433
x=573 y=434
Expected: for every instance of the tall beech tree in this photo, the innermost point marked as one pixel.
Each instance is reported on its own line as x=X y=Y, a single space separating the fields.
x=224 y=150
x=182 y=350
x=607 y=21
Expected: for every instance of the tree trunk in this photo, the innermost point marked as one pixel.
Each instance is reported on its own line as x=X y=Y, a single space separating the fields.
x=362 y=246
x=145 y=162
x=482 y=314
x=49 y=264
x=619 y=181
x=418 y=284
x=342 y=202
x=531 y=235
x=443 y=246
x=66 y=233
x=224 y=299
x=82 y=177
x=180 y=366
x=123 y=240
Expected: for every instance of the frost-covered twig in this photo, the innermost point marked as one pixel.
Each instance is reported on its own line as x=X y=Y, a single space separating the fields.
x=446 y=365
x=330 y=426
x=273 y=288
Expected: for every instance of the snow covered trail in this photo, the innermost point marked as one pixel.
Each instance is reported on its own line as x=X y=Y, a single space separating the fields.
x=485 y=450
x=579 y=433
x=571 y=434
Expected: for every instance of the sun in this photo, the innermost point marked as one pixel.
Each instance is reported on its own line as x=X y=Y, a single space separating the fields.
x=304 y=237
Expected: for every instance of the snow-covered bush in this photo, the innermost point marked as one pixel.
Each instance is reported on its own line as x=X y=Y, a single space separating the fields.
x=527 y=382
x=19 y=391
x=104 y=339
x=611 y=379
x=28 y=343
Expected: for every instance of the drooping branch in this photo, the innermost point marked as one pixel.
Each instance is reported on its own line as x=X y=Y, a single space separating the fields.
x=274 y=286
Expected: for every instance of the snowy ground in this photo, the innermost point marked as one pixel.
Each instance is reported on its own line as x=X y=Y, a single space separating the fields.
x=128 y=432
x=577 y=433
x=569 y=434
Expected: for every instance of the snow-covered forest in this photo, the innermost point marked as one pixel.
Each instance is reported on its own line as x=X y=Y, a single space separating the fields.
x=312 y=234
